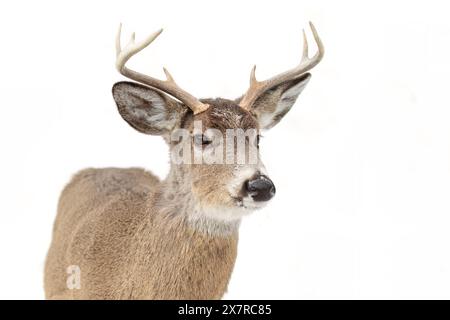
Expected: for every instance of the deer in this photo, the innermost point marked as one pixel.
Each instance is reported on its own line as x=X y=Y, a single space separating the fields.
x=131 y=235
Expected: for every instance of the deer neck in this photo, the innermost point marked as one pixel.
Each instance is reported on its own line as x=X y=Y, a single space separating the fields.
x=199 y=253
x=178 y=200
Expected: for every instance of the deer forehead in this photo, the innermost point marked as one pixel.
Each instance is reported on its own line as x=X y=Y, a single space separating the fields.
x=223 y=114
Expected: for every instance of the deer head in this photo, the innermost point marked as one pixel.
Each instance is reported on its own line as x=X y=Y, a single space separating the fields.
x=160 y=107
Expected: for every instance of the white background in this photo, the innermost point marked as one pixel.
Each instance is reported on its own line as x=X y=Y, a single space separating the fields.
x=361 y=163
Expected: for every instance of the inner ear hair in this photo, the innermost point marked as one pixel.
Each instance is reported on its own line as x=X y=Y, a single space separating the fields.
x=276 y=102
x=146 y=109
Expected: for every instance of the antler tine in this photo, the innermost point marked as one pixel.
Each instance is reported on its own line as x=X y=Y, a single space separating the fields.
x=169 y=86
x=259 y=87
x=320 y=48
x=305 y=46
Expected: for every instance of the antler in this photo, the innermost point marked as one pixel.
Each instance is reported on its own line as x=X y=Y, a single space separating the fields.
x=169 y=86
x=306 y=64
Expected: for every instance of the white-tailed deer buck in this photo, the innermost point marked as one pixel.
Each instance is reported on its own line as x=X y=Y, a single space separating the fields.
x=129 y=235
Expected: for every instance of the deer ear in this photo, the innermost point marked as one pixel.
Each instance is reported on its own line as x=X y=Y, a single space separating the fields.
x=145 y=109
x=273 y=104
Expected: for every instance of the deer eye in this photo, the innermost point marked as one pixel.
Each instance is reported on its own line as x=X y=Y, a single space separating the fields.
x=201 y=140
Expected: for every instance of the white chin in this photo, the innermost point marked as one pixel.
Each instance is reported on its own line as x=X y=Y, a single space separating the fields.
x=249 y=204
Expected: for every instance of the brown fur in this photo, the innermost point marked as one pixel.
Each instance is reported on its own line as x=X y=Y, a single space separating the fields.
x=109 y=225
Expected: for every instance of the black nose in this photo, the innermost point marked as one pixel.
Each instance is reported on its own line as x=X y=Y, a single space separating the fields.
x=260 y=188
